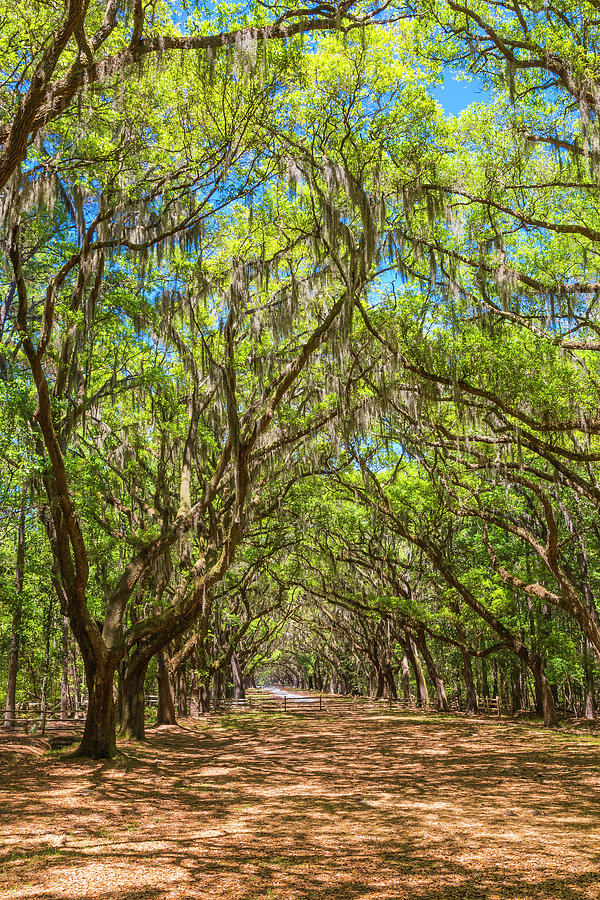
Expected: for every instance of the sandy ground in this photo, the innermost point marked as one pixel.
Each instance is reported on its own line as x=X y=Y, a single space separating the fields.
x=307 y=806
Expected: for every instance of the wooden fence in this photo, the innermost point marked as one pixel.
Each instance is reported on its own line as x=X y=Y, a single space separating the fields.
x=27 y=718
x=316 y=703
x=332 y=703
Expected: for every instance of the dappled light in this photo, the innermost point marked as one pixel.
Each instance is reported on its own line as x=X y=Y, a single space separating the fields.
x=290 y=806
x=300 y=450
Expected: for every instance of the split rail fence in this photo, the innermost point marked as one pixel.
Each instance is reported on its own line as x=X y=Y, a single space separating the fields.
x=332 y=703
x=27 y=718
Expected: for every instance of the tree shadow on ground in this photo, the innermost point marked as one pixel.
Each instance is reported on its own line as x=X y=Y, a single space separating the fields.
x=378 y=806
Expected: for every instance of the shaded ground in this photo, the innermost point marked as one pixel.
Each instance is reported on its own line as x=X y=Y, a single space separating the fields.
x=302 y=806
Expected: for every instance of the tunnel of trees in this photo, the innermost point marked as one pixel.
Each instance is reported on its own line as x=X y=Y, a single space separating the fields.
x=298 y=371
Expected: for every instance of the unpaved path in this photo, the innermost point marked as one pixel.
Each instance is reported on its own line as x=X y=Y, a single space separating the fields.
x=289 y=695
x=301 y=806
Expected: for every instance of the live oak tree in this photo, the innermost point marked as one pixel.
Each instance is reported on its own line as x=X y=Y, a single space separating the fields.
x=235 y=263
x=274 y=389
x=297 y=272
x=55 y=58
x=130 y=202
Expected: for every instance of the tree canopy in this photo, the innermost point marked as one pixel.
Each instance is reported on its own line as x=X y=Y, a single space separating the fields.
x=298 y=373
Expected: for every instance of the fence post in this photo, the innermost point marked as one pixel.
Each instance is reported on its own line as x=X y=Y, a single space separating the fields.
x=284 y=704
x=320 y=705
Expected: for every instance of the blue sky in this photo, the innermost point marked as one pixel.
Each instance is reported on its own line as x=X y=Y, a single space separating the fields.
x=455 y=95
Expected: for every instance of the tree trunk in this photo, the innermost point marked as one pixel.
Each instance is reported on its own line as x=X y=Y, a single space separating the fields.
x=204 y=696
x=15 y=640
x=46 y=674
x=432 y=669
x=318 y=676
x=76 y=683
x=100 y=733
x=544 y=690
x=181 y=681
x=133 y=701
x=238 y=679
x=166 y=704
x=469 y=683
x=485 y=687
x=64 y=681
x=413 y=656
x=515 y=689
x=405 y=678
x=195 y=695
x=391 y=683
x=467 y=667
x=10 y=715
x=495 y=688
x=588 y=668
x=380 y=684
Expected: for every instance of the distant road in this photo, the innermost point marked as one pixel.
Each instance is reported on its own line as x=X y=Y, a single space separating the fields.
x=297 y=698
